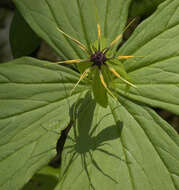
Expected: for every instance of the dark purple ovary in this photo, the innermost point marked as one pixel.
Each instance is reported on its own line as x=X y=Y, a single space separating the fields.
x=98 y=59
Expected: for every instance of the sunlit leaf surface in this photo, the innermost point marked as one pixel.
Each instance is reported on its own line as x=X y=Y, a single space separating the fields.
x=125 y=146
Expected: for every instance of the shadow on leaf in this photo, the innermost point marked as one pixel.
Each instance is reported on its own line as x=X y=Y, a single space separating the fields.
x=85 y=137
x=41 y=182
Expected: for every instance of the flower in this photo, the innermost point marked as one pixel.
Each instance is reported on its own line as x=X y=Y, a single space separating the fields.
x=101 y=60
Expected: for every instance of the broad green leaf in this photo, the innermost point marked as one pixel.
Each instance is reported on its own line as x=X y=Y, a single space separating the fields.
x=75 y=17
x=34 y=101
x=23 y=40
x=126 y=146
x=143 y=7
x=157 y=74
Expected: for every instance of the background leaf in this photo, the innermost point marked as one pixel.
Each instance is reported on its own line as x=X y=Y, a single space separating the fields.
x=22 y=38
x=33 y=102
x=157 y=74
x=143 y=7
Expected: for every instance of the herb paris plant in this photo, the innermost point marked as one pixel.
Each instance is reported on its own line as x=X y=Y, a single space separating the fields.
x=100 y=60
x=123 y=146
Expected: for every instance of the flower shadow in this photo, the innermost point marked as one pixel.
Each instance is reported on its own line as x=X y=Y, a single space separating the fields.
x=87 y=137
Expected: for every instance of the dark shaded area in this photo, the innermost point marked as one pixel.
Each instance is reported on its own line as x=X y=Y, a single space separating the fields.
x=41 y=182
x=6 y=16
x=59 y=146
x=8 y=4
x=171 y=118
x=24 y=41
x=129 y=30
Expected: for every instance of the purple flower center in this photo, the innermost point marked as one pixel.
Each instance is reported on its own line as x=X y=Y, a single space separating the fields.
x=98 y=58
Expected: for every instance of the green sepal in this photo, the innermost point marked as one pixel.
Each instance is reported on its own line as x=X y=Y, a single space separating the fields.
x=94 y=45
x=99 y=92
x=108 y=76
x=83 y=66
x=119 y=68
